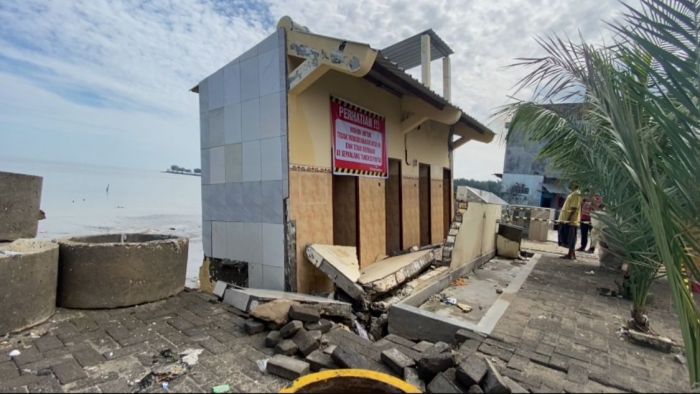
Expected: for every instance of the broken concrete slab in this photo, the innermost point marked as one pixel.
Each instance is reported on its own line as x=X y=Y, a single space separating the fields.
x=493 y=382
x=442 y=384
x=305 y=313
x=472 y=371
x=433 y=363
x=220 y=288
x=247 y=299
x=287 y=347
x=253 y=327
x=340 y=264
x=305 y=341
x=396 y=360
x=272 y=338
x=287 y=367
x=319 y=360
x=276 y=311
x=347 y=359
x=387 y=274
x=291 y=328
x=653 y=341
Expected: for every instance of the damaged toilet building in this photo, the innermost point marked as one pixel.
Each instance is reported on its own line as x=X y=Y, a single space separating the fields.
x=324 y=161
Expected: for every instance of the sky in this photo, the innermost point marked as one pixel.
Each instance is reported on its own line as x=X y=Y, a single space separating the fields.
x=108 y=83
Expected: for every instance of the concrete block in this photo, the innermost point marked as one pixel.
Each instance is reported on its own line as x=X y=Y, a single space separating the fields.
x=287 y=347
x=422 y=346
x=322 y=325
x=340 y=264
x=349 y=359
x=269 y=63
x=319 y=360
x=247 y=299
x=271 y=159
x=410 y=375
x=472 y=371
x=219 y=237
x=216 y=127
x=287 y=367
x=215 y=86
x=396 y=360
x=250 y=120
x=441 y=384
x=250 y=85
x=272 y=202
x=306 y=342
x=251 y=161
x=494 y=382
x=270 y=115
x=433 y=363
x=305 y=313
x=206 y=237
x=291 y=328
x=511 y=232
x=217 y=165
x=20 y=200
x=233 y=124
x=273 y=245
x=273 y=278
x=220 y=288
x=234 y=162
x=232 y=83
x=251 y=202
x=273 y=338
x=438 y=347
x=317 y=335
x=253 y=326
x=255 y=275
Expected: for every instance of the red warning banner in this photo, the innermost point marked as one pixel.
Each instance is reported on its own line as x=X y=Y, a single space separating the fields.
x=359 y=140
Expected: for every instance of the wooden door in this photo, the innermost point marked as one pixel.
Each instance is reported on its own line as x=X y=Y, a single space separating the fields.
x=447 y=198
x=424 y=202
x=345 y=211
x=392 y=207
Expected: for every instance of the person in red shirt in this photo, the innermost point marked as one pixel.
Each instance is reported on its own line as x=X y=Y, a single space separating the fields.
x=586 y=209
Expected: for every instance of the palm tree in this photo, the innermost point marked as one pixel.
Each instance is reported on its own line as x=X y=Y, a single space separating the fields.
x=636 y=139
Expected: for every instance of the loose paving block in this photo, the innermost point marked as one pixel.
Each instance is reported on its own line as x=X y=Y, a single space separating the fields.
x=220 y=288
x=305 y=341
x=246 y=300
x=68 y=371
x=475 y=389
x=472 y=371
x=348 y=359
x=493 y=383
x=442 y=384
x=272 y=338
x=48 y=342
x=432 y=364
x=88 y=357
x=291 y=328
x=253 y=327
x=410 y=375
x=463 y=334
x=513 y=386
x=316 y=335
x=305 y=313
x=287 y=367
x=286 y=347
x=396 y=360
x=438 y=347
x=322 y=325
x=275 y=311
x=329 y=349
x=319 y=360
x=422 y=346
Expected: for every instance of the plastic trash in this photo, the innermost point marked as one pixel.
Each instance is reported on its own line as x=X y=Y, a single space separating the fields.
x=222 y=388
x=262 y=365
x=361 y=330
x=164 y=385
x=451 y=300
x=15 y=353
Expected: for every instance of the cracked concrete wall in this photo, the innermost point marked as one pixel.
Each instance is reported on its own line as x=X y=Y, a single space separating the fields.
x=243 y=129
x=477 y=234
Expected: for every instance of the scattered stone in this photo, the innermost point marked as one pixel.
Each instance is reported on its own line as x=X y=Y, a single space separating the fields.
x=253 y=327
x=291 y=328
x=305 y=341
x=422 y=346
x=347 y=359
x=287 y=347
x=493 y=383
x=439 y=347
x=475 y=389
x=329 y=349
x=316 y=335
x=472 y=371
x=432 y=364
x=272 y=338
x=276 y=311
x=319 y=360
x=410 y=375
x=513 y=386
x=499 y=290
x=399 y=340
x=305 y=313
x=287 y=367
x=441 y=384
x=378 y=326
x=322 y=325
x=396 y=360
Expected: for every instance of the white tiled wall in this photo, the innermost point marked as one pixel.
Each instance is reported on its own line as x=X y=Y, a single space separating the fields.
x=243 y=130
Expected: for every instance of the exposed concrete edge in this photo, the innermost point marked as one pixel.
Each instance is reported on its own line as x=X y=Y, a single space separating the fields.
x=443 y=280
x=245 y=299
x=399 y=277
x=425 y=325
x=351 y=288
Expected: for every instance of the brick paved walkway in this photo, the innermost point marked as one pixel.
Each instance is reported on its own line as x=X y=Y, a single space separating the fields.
x=108 y=350
x=559 y=334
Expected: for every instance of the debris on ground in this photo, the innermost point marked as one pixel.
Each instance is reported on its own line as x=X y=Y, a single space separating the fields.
x=680 y=358
x=657 y=342
x=14 y=353
x=458 y=282
x=464 y=307
x=191 y=356
x=222 y=388
x=166 y=367
x=591 y=272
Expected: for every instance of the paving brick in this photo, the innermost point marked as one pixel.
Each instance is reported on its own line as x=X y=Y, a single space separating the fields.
x=291 y=328
x=287 y=367
x=68 y=371
x=306 y=342
x=442 y=384
x=422 y=346
x=491 y=350
x=253 y=327
x=44 y=384
x=85 y=324
x=399 y=340
x=213 y=346
x=396 y=360
x=87 y=357
x=432 y=364
x=472 y=371
x=180 y=323
x=518 y=362
x=8 y=370
x=493 y=382
x=48 y=342
x=28 y=355
x=319 y=360
x=347 y=359
x=304 y=313
x=463 y=334
x=286 y=347
x=322 y=325
x=513 y=386
x=272 y=338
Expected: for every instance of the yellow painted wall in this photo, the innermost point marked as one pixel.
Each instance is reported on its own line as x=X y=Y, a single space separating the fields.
x=477 y=235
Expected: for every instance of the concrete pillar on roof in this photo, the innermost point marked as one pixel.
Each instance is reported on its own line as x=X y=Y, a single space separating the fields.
x=425 y=59
x=446 y=79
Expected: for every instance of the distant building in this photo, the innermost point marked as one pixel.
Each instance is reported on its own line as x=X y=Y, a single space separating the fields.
x=528 y=179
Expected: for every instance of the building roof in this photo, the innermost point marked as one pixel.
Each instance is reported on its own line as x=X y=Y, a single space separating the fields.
x=406 y=53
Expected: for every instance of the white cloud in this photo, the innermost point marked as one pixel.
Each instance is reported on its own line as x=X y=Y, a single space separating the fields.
x=141 y=58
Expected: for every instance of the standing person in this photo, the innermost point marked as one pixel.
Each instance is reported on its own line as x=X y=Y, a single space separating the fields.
x=586 y=208
x=570 y=216
x=595 y=223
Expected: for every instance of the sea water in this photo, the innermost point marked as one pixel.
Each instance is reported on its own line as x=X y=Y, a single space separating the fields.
x=81 y=199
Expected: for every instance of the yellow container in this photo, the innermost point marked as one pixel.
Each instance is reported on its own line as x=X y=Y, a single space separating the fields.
x=349 y=381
